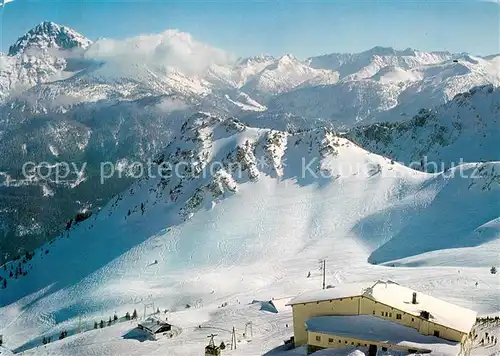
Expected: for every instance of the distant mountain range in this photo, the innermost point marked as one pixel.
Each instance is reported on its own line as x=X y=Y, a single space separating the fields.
x=64 y=98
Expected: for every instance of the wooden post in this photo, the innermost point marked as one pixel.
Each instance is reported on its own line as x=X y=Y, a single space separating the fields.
x=233 y=339
x=324 y=274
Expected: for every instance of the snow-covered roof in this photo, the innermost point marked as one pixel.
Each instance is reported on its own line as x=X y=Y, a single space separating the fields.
x=341 y=291
x=441 y=312
x=399 y=297
x=368 y=327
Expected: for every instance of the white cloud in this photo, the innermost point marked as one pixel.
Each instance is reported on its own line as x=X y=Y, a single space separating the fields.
x=171 y=104
x=170 y=49
x=4 y=2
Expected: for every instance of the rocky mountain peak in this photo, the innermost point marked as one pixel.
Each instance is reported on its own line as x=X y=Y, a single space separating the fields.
x=49 y=35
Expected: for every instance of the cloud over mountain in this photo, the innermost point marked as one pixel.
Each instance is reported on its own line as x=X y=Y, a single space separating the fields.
x=163 y=51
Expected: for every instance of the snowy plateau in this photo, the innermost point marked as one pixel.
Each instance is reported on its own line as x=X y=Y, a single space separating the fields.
x=283 y=163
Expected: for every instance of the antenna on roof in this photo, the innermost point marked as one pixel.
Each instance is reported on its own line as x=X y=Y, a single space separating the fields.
x=414 y=298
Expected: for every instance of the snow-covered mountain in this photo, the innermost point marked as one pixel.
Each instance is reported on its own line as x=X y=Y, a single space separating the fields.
x=41 y=55
x=49 y=36
x=53 y=68
x=392 y=93
x=285 y=74
x=64 y=98
x=241 y=214
x=241 y=72
x=368 y=63
x=466 y=128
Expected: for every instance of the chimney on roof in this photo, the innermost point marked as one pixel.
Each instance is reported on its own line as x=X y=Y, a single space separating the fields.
x=414 y=298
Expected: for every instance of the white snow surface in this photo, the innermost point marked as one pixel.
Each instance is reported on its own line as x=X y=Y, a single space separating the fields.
x=336 y=292
x=442 y=313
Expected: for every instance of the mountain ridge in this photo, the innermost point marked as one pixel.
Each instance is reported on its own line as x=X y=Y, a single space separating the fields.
x=124 y=100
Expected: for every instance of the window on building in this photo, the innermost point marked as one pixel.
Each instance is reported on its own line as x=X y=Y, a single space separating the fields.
x=330 y=340
x=318 y=338
x=340 y=341
x=390 y=315
x=436 y=333
x=398 y=316
x=374 y=312
x=352 y=343
x=382 y=313
x=346 y=341
x=386 y=314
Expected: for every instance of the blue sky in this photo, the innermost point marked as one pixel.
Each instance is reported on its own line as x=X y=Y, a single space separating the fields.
x=303 y=28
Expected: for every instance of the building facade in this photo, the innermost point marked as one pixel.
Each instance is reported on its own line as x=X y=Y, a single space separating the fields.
x=386 y=300
x=321 y=340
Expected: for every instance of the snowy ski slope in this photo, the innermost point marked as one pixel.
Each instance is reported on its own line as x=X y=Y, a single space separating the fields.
x=234 y=237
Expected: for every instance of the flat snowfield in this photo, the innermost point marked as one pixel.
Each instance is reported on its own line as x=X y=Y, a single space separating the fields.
x=205 y=260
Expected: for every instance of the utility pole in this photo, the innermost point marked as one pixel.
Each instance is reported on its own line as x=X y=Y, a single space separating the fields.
x=322 y=267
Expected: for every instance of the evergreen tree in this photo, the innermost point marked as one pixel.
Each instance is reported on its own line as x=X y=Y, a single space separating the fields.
x=115 y=317
x=101 y=324
x=493 y=270
x=96 y=325
x=109 y=321
x=4 y=283
x=127 y=316
x=134 y=314
x=222 y=345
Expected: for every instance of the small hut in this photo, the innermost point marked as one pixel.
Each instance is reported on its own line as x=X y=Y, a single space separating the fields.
x=154 y=327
